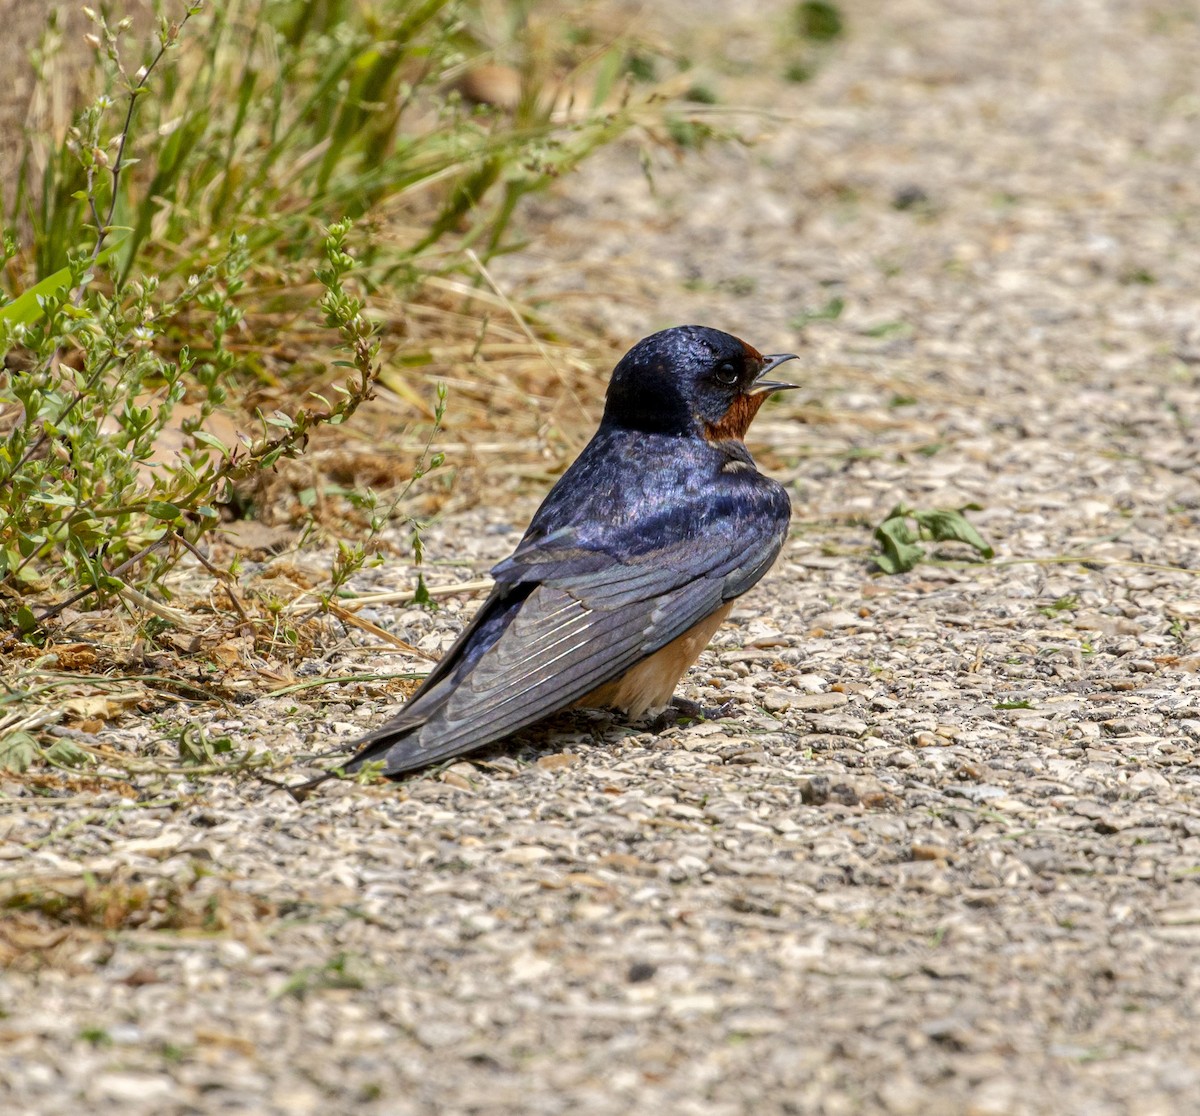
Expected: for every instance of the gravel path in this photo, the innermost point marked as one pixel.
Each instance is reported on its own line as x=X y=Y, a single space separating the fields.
x=945 y=857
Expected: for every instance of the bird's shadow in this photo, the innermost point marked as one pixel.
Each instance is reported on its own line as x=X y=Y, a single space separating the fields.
x=554 y=735
x=557 y=733
x=522 y=750
x=590 y=727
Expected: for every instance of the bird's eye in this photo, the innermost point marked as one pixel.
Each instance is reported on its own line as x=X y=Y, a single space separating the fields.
x=727 y=372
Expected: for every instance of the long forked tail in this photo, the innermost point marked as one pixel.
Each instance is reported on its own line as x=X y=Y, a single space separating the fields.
x=375 y=745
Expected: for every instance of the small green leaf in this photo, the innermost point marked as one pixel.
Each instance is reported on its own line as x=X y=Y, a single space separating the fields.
x=27 y=307
x=160 y=509
x=421 y=594
x=26 y=574
x=197 y=747
x=949 y=525
x=17 y=750
x=818 y=21
x=831 y=311
x=888 y=329
x=207 y=439
x=898 y=543
x=371 y=772
x=68 y=754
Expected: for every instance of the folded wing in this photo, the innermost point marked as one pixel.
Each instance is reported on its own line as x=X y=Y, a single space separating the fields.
x=564 y=619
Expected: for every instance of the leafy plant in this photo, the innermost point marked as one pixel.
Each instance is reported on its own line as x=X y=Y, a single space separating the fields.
x=17 y=751
x=888 y=329
x=339 y=971
x=197 y=747
x=904 y=528
x=160 y=247
x=351 y=556
x=80 y=474
x=283 y=116
x=1059 y=604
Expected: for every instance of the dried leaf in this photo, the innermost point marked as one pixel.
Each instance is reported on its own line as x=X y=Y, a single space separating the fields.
x=101 y=706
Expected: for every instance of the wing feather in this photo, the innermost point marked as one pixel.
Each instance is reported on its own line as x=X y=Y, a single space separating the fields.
x=566 y=618
x=526 y=677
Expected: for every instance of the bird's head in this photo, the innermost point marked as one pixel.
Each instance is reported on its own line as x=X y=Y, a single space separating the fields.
x=691 y=380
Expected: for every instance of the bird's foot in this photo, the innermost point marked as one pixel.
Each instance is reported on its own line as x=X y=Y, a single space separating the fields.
x=683 y=711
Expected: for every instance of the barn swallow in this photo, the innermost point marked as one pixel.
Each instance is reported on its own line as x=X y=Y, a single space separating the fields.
x=627 y=569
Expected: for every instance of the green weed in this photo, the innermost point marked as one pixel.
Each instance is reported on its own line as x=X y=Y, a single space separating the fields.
x=258 y=172
x=904 y=528
x=1060 y=604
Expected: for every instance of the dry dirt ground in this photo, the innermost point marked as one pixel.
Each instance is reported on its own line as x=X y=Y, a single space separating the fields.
x=944 y=858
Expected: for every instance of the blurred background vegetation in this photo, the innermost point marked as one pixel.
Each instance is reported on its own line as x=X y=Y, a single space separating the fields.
x=234 y=223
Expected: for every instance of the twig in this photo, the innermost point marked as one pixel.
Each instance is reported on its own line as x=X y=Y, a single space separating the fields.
x=168 y=40
x=50 y=613
x=155 y=608
x=364 y=599
x=348 y=617
x=314 y=683
x=222 y=577
x=448 y=590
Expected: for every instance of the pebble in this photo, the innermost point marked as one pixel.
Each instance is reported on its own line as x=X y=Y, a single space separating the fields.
x=816 y=703
x=810 y=683
x=837 y=725
x=131 y=1088
x=525 y=854
x=835 y=619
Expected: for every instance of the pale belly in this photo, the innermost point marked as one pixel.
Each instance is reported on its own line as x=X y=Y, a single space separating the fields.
x=651 y=683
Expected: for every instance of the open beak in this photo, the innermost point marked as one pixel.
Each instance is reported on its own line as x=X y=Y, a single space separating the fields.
x=770 y=364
